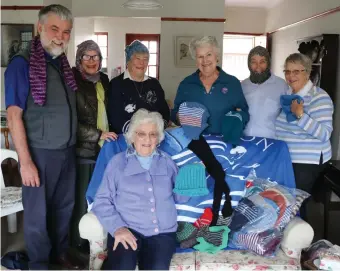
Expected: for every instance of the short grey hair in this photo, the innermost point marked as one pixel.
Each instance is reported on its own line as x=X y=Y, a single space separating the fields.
x=63 y=12
x=302 y=59
x=143 y=116
x=201 y=42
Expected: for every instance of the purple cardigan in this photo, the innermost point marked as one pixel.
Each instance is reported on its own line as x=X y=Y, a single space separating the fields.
x=131 y=196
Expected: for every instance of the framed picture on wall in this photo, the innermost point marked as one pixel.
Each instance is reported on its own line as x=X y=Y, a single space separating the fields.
x=14 y=37
x=182 y=54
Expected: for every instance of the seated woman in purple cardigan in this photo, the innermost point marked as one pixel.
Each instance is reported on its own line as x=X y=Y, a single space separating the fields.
x=135 y=202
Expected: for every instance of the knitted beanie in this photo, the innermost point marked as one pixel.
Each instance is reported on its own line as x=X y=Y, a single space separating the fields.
x=135 y=47
x=259 y=78
x=191 y=181
x=193 y=118
x=212 y=239
x=185 y=231
x=232 y=127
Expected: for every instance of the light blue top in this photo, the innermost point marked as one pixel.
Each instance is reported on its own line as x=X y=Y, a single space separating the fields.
x=264 y=105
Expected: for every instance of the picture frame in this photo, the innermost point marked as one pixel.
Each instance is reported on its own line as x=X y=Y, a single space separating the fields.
x=14 y=37
x=182 y=53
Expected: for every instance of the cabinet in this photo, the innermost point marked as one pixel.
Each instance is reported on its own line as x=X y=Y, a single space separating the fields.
x=324 y=52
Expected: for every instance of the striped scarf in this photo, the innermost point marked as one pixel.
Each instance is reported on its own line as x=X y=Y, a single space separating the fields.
x=38 y=72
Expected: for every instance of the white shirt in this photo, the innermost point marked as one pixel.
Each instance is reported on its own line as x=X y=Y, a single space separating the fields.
x=264 y=105
x=127 y=75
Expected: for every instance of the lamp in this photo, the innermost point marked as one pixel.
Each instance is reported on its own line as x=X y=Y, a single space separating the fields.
x=142 y=4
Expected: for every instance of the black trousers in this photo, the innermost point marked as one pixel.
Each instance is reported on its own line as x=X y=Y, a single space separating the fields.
x=306 y=176
x=48 y=208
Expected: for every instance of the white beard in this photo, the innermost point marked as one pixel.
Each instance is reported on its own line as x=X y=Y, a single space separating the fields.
x=52 y=49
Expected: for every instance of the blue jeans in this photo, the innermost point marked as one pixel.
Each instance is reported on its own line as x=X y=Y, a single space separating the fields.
x=152 y=253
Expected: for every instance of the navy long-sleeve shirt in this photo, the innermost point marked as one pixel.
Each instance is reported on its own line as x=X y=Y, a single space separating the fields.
x=126 y=96
x=225 y=95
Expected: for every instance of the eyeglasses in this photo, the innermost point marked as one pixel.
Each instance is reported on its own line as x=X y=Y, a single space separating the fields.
x=143 y=135
x=294 y=72
x=88 y=57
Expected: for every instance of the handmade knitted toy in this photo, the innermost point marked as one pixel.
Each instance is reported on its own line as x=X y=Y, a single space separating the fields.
x=205 y=219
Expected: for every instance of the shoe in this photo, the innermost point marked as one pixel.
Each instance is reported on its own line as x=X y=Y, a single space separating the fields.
x=70 y=262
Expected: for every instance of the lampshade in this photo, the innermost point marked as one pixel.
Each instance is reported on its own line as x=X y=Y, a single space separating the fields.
x=142 y=4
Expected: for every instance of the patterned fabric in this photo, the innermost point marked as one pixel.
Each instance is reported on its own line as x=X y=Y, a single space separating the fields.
x=193 y=118
x=190 y=181
x=221 y=221
x=309 y=136
x=263 y=243
x=37 y=72
x=10 y=196
x=244 y=212
x=212 y=239
x=185 y=231
x=85 y=46
x=205 y=219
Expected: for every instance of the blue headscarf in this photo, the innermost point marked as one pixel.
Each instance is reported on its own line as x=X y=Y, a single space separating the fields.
x=135 y=47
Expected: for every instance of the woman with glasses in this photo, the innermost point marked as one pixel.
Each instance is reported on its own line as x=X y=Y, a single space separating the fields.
x=93 y=128
x=135 y=202
x=305 y=123
x=133 y=90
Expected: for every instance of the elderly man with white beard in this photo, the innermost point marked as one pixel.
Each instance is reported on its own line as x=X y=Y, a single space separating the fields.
x=41 y=109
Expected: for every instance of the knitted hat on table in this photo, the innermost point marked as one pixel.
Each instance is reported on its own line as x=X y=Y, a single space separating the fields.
x=193 y=118
x=191 y=181
x=233 y=124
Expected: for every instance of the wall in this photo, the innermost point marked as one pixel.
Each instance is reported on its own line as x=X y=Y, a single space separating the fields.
x=170 y=75
x=284 y=43
x=172 y=8
x=117 y=28
x=235 y=20
x=290 y=11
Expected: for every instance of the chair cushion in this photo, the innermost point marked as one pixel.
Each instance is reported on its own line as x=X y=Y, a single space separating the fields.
x=10 y=196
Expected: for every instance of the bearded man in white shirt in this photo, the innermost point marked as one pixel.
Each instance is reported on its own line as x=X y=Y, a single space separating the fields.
x=262 y=91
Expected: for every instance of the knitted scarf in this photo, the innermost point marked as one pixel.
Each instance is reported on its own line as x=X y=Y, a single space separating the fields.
x=38 y=72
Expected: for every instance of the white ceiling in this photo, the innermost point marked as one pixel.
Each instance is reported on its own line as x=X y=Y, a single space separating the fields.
x=252 y=3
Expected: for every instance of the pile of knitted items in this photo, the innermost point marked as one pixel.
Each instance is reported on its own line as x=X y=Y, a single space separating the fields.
x=193 y=117
x=202 y=237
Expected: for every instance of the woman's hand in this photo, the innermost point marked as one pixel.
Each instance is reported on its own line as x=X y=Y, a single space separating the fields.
x=124 y=236
x=108 y=136
x=296 y=108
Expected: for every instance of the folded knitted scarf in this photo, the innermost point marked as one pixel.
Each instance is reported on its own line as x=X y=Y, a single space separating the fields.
x=286 y=101
x=38 y=72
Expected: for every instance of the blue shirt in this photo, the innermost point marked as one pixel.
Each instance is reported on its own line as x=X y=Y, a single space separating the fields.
x=131 y=196
x=264 y=105
x=17 y=84
x=225 y=95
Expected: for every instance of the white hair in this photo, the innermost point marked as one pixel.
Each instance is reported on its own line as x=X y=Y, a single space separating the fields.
x=203 y=42
x=143 y=116
x=302 y=59
x=61 y=11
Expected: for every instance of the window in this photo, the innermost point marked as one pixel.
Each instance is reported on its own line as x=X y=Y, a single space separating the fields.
x=235 y=53
x=152 y=42
x=101 y=38
x=25 y=37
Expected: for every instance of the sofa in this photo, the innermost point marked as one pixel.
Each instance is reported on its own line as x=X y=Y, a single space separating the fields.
x=297 y=235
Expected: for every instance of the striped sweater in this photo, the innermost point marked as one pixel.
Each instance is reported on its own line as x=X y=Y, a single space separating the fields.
x=309 y=137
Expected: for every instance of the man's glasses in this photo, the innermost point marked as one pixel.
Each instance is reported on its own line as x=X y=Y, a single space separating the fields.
x=143 y=135
x=88 y=57
x=294 y=72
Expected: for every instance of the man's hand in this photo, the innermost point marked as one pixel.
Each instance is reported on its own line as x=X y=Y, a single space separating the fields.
x=124 y=236
x=29 y=174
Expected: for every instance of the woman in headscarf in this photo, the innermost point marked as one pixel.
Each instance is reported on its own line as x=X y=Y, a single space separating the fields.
x=134 y=90
x=93 y=127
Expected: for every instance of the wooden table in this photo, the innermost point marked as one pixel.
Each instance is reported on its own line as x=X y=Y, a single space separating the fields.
x=5 y=131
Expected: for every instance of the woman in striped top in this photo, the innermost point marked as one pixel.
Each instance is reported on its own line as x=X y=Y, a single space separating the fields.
x=306 y=126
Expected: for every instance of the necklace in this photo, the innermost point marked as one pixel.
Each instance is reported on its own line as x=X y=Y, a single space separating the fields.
x=139 y=93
